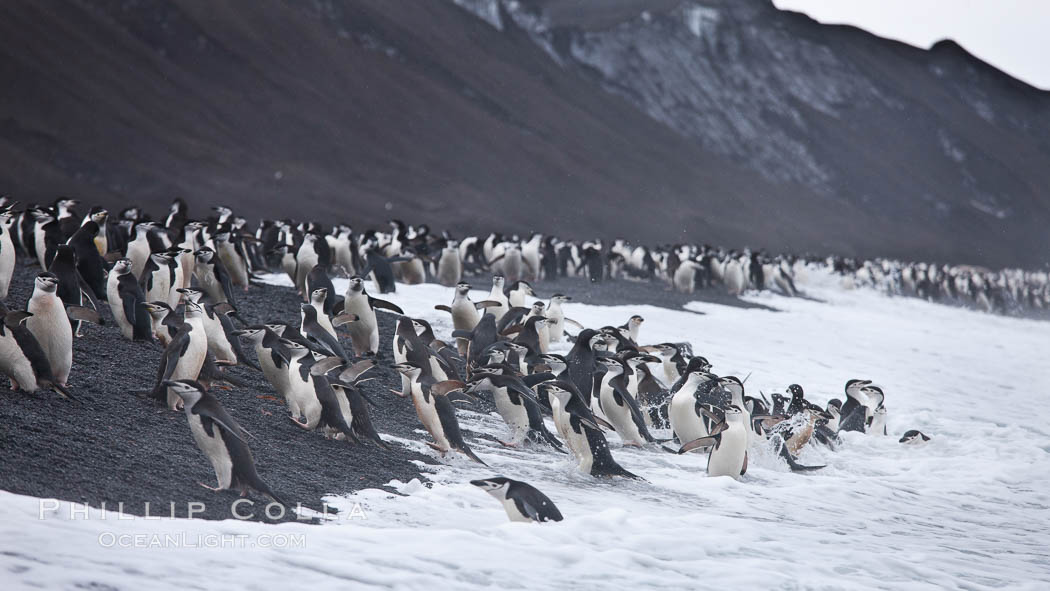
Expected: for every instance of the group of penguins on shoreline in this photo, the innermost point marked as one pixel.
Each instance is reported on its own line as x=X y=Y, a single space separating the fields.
x=175 y=282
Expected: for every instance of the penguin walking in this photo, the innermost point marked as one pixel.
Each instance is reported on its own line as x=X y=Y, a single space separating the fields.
x=728 y=443
x=184 y=356
x=436 y=412
x=126 y=302
x=272 y=358
x=166 y=323
x=465 y=315
x=619 y=407
x=521 y=501
x=221 y=439
x=579 y=428
x=685 y=412
x=213 y=277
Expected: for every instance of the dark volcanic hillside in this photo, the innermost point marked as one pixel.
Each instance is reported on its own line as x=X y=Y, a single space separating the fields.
x=725 y=122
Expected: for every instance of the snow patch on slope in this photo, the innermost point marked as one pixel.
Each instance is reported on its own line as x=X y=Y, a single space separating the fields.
x=969 y=510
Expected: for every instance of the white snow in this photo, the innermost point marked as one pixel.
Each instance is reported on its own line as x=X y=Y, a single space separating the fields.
x=970 y=510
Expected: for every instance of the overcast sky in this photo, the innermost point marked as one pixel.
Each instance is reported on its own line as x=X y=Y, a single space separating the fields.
x=1012 y=35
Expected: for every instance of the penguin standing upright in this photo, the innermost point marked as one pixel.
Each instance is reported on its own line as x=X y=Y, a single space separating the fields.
x=50 y=324
x=221 y=439
x=364 y=332
x=306 y=258
x=138 y=249
x=7 y=252
x=449 y=266
x=556 y=318
x=231 y=259
x=22 y=359
x=157 y=277
x=89 y=263
x=497 y=296
x=126 y=300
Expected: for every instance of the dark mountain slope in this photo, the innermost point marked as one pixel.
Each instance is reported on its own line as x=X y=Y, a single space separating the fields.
x=361 y=111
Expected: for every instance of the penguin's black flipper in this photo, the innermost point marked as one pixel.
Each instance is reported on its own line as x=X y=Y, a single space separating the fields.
x=443 y=308
x=84 y=314
x=826 y=436
x=701 y=442
x=209 y=407
x=361 y=421
x=447 y=415
x=604 y=465
x=794 y=465
x=378 y=303
x=620 y=392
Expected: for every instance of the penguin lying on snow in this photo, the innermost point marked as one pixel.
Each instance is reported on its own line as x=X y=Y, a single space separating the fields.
x=914 y=437
x=521 y=501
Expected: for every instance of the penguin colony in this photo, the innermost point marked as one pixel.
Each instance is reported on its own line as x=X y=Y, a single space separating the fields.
x=175 y=283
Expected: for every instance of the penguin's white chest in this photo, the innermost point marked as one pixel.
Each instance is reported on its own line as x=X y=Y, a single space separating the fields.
x=215 y=449
x=515 y=415
x=684 y=421
x=51 y=327
x=728 y=458
x=620 y=417
x=428 y=416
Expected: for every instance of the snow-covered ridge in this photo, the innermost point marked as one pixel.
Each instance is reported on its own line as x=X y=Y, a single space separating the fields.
x=969 y=510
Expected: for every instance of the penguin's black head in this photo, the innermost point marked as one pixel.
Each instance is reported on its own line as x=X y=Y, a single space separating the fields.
x=914 y=437
x=157 y=309
x=190 y=294
x=252 y=333
x=357 y=283
x=732 y=383
x=47 y=282
x=319 y=294
x=796 y=391
x=122 y=266
x=189 y=390
x=493 y=484
x=204 y=254
x=463 y=287
x=856 y=383
x=497 y=280
x=835 y=403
